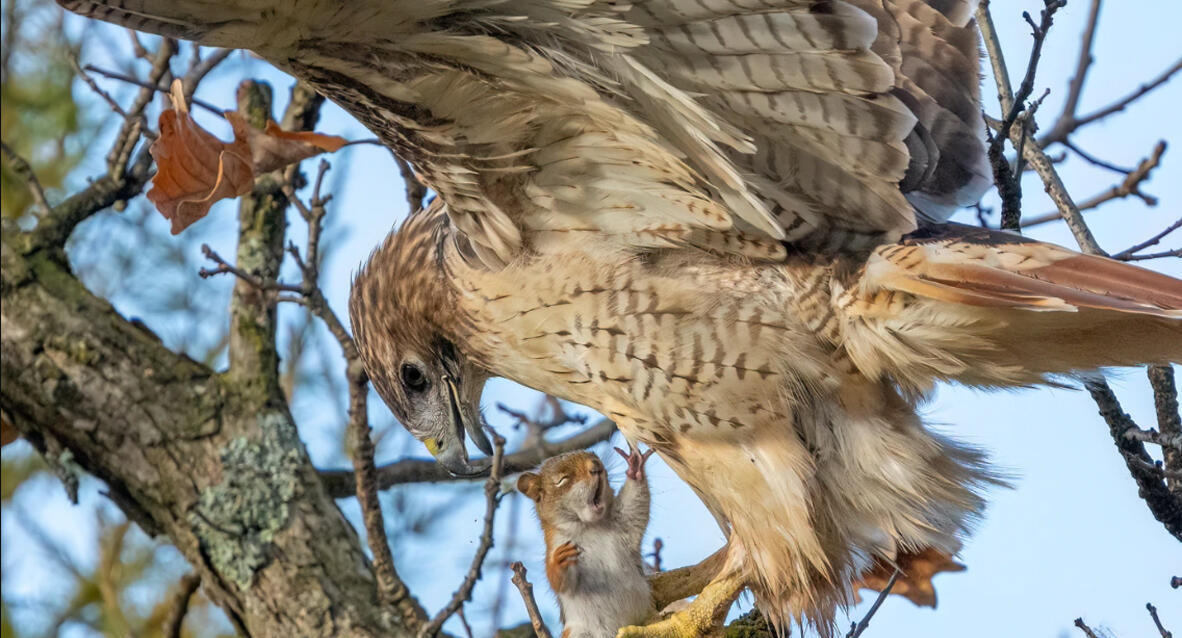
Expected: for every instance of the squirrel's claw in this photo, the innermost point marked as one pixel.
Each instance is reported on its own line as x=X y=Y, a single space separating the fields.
x=636 y=461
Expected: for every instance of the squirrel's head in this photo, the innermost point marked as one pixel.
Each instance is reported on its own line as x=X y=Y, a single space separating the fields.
x=569 y=487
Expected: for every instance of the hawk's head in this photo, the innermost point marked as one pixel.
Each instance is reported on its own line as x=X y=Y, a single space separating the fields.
x=404 y=324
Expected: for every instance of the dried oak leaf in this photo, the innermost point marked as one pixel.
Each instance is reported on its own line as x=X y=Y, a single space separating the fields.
x=195 y=169
x=915 y=580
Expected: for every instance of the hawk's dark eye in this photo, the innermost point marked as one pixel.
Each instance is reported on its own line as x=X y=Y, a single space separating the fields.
x=413 y=378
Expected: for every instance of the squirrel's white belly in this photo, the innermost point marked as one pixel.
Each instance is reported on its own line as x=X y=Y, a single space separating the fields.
x=612 y=591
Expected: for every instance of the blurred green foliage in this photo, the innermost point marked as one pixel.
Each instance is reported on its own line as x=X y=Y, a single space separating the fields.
x=39 y=118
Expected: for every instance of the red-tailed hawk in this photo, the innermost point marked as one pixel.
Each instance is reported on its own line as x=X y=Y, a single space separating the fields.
x=717 y=222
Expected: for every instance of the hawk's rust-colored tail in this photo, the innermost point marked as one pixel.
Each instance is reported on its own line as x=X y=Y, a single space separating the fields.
x=992 y=308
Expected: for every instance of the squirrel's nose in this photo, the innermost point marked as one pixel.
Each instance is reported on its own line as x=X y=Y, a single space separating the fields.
x=596 y=470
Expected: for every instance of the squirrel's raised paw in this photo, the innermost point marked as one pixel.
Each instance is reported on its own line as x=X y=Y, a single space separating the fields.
x=636 y=461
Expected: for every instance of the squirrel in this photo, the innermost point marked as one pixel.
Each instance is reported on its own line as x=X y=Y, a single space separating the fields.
x=593 y=540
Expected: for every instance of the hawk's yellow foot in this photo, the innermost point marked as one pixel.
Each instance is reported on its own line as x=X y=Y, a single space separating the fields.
x=703 y=617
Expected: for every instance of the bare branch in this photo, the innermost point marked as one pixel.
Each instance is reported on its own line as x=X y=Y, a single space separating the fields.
x=1066 y=127
x=1165 y=506
x=1169 y=421
x=224 y=267
x=531 y=605
x=339 y=483
x=158 y=87
x=1127 y=254
x=1131 y=185
x=1177 y=252
x=200 y=69
x=94 y=87
x=391 y=589
x=492 y=497
x=18 y=165
x=658 y=545
x=1154 y=437
x=1075 y=87
x=857 y=628
x=180 y=605
x=1009 y=185
x=1079 y=622
x=1005 y=94
x=1096 y=161
x=1157 y=621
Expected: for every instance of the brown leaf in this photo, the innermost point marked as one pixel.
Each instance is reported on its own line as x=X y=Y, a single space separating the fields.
x=275 y=148
x=195 y=169
x=915 y=581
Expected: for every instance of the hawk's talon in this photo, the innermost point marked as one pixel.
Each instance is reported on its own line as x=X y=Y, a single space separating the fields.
x=702 y=618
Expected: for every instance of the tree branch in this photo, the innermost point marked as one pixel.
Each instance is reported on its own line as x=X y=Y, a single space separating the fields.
x=171 y=628
x=1165 y=506
x=340 y=483
x=1065 y=127
x=492 y=498
x=1130 y=185
x=391 y=589
x=1169 y=421
x=21 y=168
x=531 y=605
x=215 y=464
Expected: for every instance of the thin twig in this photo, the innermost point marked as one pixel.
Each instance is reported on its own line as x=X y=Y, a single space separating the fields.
x=339 y=483
x=202 y=68
x=171 y=628
x=1154 y=437
x=531 y=605
x=1096 y=161
x=224 y=267
x=1165 y=633
x=18 y=165
x=464 y=622
x=492 y=497
x=94 y=87
x=1064 y=125
x=1005 y=94
x=160 y=87
x=658 y=545
x=1129 y=186
x=1177 y=252
x=1079 y=622
x=1009 y=185
x=857 y=628
x=391 y=589
x=1061 y=132
x=1053 y=184
x=134 y=122
x=1152 y=241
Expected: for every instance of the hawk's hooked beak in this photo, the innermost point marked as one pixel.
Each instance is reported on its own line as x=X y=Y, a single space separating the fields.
x=451 y=452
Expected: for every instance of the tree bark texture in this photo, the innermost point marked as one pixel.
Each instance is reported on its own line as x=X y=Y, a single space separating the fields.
x=213 y=463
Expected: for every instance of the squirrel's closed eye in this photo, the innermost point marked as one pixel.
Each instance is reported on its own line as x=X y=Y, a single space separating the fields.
x=560 y=481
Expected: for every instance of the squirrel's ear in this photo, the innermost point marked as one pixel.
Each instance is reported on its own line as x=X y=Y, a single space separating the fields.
x=530 y=484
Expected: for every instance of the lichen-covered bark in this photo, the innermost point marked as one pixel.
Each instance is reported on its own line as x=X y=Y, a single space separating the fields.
x=214 y=464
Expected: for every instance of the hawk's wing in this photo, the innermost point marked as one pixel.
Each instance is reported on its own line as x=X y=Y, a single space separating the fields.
x=859 y=111
x=656 y=123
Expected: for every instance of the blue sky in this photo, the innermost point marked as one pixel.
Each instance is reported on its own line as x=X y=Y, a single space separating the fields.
x=1071 y=539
